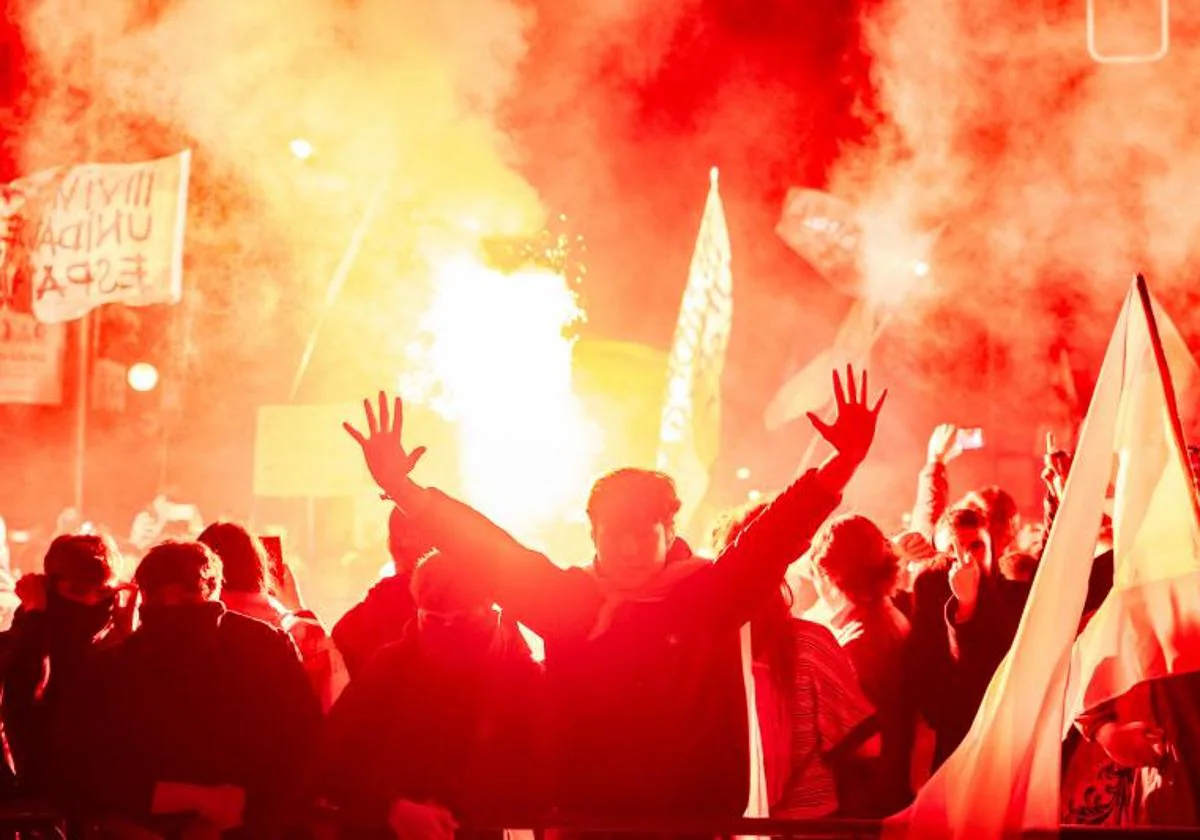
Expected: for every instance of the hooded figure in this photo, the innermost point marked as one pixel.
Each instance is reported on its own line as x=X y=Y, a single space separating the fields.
x=463 y=748
x=200 y=711
x=64 y=614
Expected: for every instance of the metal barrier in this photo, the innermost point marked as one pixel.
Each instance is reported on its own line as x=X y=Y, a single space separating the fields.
x=20 y=820
x=324 y=824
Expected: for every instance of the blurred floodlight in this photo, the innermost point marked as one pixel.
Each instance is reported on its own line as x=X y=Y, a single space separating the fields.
x=301 y=148
x=143 y=377
x=743 y=474
x=921 y=268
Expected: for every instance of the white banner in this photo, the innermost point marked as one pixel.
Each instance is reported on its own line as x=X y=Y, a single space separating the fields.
x=31 y=360
x=82 y=236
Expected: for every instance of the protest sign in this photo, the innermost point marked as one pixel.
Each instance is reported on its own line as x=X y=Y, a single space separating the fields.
x=78 y=237
x=31 y=360
x=110 y=390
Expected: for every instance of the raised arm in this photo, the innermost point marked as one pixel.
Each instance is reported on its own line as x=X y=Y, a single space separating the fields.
x=1056 y=464
x=550 y=601
x=933 y=485
x=752 y=566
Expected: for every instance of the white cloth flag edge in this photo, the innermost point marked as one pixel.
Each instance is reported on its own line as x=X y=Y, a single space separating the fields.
x=964 y=798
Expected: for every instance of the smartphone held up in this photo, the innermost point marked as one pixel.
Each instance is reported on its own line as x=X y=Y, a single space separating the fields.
x=970 y=440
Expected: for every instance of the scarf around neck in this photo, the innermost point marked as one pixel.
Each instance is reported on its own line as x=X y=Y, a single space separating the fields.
x=680 y=564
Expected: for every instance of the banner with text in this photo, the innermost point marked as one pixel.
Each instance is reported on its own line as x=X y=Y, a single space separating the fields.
x=78 y=237
x=31 y=360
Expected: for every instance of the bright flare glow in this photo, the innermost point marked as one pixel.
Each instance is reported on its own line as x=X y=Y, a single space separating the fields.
x=301 y=148
x=921 y=268
x=743 y=474
x=143 y=377
x=501 y=363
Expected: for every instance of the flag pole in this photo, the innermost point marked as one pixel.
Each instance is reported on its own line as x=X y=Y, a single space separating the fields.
x=337 y=281
x=1168 y=387
x=82 y=370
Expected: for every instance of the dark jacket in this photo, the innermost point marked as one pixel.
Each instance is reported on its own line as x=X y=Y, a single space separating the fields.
x=41 y=657
x=648 y=709
x=878 y=656
x=196 y=695
x=379 y=619
x=953 y=663
x=461 y=734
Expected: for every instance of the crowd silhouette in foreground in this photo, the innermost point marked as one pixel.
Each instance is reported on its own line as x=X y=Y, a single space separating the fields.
x=201 y=699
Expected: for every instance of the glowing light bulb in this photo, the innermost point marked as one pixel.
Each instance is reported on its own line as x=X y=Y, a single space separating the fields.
x=301 y=148
x=143 y=377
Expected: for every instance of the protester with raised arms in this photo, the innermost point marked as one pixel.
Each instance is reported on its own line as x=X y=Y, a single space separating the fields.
x=643 y=653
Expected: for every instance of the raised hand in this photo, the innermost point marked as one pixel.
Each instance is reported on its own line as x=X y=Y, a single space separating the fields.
x=850 y=632
x=853 y=427
x=289 y=590
x=1055 y=465
x=944 y=445
x=382 y=448
x=965 y=576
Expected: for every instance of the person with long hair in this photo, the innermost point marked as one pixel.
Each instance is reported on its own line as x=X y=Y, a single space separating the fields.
x=812 y=712
x=855 y=570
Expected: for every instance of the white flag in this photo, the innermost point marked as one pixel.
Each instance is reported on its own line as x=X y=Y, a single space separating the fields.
x=825 y=231
x=691 y=421
x=1005 y=777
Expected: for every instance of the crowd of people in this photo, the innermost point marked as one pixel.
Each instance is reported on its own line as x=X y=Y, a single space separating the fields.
x=817 y=663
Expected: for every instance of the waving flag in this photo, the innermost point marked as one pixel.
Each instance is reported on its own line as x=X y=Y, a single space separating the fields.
x=691 y=421
x=824 y=230
x=1005 y=776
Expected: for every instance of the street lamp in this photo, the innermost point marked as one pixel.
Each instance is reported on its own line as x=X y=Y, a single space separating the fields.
x=143 y=377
